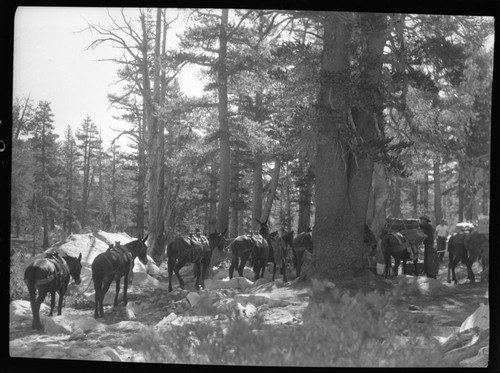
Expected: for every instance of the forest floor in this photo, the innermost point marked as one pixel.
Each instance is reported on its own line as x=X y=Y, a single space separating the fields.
x=279 y=305
x=113 y=339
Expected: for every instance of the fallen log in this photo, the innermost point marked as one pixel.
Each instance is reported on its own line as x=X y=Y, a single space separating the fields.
x=478 y=361
x=479 y=340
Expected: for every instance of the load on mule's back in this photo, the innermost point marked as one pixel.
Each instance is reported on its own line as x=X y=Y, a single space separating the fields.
x=252 y=246
x=50 y=273
x=400 y=239
x=466 y=247
x=112 y=265
x=193 y=248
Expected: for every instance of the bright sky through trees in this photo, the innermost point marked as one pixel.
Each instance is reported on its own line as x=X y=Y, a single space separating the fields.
x=51 y=63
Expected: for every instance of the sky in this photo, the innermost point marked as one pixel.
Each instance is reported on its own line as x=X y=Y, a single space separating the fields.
x=51 y=63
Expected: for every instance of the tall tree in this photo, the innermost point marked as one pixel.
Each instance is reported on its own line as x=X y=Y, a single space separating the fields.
x=343 y=173
x=45 y=149
x=89 y=145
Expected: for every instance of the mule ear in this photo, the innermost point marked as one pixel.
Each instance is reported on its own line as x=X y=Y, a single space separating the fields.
x=145 y=238
x=224 y=233
x=80 y=257
x=258 y=221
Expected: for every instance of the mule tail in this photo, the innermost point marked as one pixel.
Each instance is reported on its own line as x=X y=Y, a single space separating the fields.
x=30 y=279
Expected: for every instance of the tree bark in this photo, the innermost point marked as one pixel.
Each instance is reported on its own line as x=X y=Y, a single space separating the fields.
x=343 y=179
x=379 y=194
x=225 y=150
x=396 y=198
x=257 y=191
x=305 y=199
x=272 y=190
x=438 y=211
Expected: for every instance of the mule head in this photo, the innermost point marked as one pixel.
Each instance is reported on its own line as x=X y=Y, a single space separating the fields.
x=142 y=252
x=217 y=240
x=264 y=228
x=75 y=267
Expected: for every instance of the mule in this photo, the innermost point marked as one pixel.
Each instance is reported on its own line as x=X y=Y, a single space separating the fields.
x=113 y=264
x=302 y=242
x=245 y=247
x=280 y=247
x=50 y=274
x=466 y=248
x=395 y=245
x=193 y=249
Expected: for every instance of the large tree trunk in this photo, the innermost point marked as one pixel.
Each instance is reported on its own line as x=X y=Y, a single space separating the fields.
x=396 y=198
x=272 y=190
x=156 y=151
x=225 y=150
x=305 y=199
x=212 y=214
x=257 y=191
x=343 y=180
x=379 y=198
x=438 y=211
x=460 y=192
x=424 y=193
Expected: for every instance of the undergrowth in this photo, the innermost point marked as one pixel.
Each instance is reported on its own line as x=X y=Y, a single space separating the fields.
x=338 y=329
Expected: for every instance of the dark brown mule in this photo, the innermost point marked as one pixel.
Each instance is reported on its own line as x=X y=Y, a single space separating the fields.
x=395 y=244
x=192 y=249
x=302 y=242
x=250 y=246
x=113 y=264
x=48 y=275
x=466 y=248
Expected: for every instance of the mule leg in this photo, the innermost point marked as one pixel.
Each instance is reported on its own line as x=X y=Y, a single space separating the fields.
x=177 y=268
x=243 y=261
x=35 y=308
x=61 y=293
x=52 y=302
x=397 y=262
x=98 y=290
x=415 y=267
x=274 y=270
x=171 y=264
x=105 y=287
x=470 y=274
x=125 y=287
x=117 y=290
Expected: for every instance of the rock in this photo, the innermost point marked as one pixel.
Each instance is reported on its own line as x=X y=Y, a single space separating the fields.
x=51 y=326
x=193 y=298
x=21 y=310
x=234 y=283
x=108 y=351
x=67 y=324
x=100 y=357
x=130 y=310
x=166 y=321
x=478 y=361
x=77 y=334
x=414 y=308
x=248 y=311
x=126 y=326
x=260 y=299
x=480 y=318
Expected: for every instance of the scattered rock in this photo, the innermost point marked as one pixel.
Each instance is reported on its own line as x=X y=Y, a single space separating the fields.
x=77 y=334
x=126 y=326
x=480 y=319
x=193 y=298
x=108 y=351
x=67 y=324
x=414 y=308
x=21 y=310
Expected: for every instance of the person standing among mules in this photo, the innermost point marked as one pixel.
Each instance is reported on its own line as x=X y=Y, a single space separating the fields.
x=429 y=254
x=441 y=234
